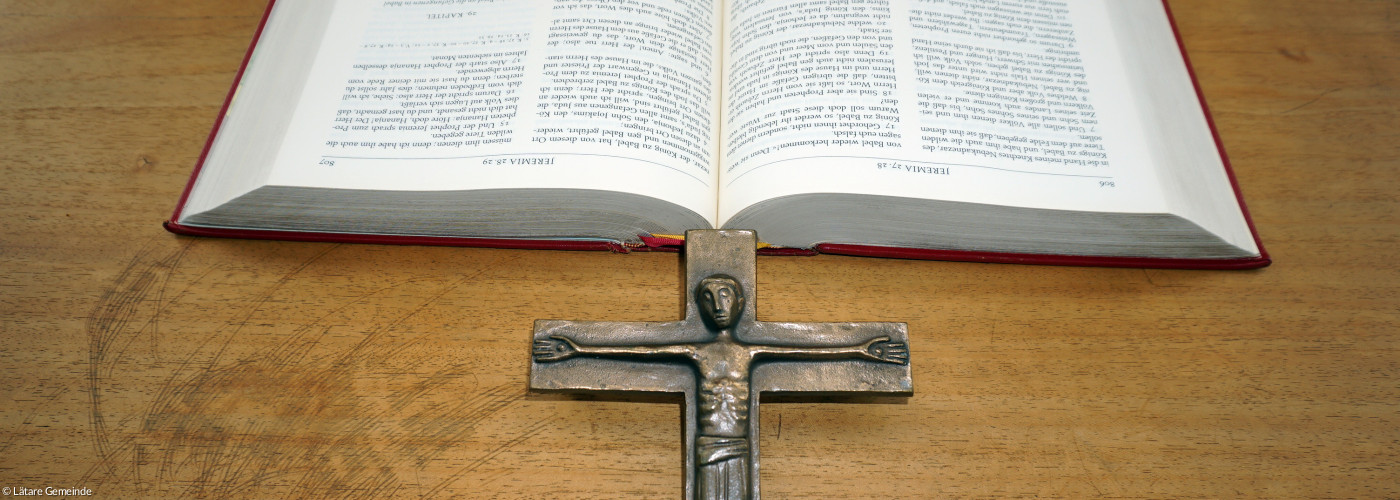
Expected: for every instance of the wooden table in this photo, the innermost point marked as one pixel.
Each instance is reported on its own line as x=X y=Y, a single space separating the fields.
x=138 y=363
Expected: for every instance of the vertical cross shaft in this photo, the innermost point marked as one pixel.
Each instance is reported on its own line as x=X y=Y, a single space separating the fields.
x=721 y=359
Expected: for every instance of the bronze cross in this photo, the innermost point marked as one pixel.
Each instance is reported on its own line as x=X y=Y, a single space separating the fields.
x=721 y=358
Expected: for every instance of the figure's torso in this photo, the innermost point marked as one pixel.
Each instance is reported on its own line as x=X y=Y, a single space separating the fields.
x=724 y=399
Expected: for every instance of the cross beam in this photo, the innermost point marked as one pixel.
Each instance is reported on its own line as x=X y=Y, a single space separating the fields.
x=721 y=358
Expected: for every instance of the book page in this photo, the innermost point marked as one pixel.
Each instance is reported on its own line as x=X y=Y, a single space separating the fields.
x=617 y=95
x=1204 y=195
x=1021 y=103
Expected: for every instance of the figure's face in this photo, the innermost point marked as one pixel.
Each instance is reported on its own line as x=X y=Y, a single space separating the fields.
x=721 y=302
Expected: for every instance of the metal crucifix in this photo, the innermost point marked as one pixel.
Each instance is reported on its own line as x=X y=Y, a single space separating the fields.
x=721 y=358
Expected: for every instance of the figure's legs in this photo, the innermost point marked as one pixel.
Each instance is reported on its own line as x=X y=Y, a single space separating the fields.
x=726 y=480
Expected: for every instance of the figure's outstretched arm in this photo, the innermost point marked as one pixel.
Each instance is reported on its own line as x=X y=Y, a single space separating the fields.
x=559 y=348
x=876 y=349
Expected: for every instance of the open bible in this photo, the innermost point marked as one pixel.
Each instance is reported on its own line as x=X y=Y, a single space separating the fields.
x=1042 y=131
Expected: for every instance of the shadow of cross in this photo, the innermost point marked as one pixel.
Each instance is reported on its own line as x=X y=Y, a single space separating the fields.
x=721 y=358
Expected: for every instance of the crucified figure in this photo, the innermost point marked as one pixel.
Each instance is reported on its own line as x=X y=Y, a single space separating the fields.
x=723 y=365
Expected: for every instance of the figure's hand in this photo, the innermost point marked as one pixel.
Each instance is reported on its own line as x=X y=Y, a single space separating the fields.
x=881 y=349
x=557 y=348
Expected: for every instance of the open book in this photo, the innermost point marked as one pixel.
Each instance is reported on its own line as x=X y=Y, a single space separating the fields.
x=1050 y=131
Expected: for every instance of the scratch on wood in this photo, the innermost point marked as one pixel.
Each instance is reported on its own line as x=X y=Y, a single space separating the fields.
x=111 y=321
x=1301 y=56
x=1310 y=103
x=530 y=432
x=379 y=332
x=228 y=416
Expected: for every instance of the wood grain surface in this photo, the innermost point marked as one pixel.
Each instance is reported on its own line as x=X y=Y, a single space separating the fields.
x=141 y=364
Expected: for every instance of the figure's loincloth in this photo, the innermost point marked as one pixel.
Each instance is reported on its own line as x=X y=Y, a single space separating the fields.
x=723 y=469
x=719 y=449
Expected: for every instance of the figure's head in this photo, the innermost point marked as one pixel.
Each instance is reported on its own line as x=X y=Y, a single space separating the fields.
x=721 y=300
